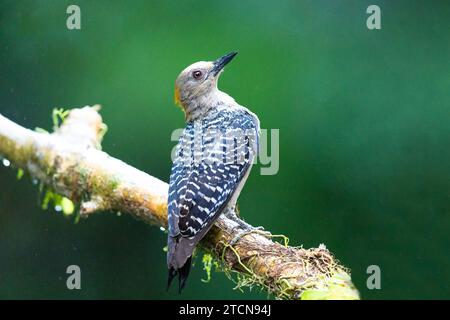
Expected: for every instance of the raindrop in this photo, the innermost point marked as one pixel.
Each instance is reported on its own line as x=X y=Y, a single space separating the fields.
x=58 y=208
x=6 y=162
x=162 y=229
x=35 y=181
x=119 y=213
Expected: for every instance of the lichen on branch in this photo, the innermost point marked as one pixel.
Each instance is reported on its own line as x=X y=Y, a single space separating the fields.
x=70 y=162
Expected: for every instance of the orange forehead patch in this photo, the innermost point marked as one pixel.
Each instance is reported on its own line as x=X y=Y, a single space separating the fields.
x=176 y=96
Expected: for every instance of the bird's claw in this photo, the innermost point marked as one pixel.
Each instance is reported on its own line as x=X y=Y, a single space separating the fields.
x=242 y=233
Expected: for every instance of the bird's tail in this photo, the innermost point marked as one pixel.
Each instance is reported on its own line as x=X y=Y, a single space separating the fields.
x=172 y=274
x=179 y=252
x=182 y=273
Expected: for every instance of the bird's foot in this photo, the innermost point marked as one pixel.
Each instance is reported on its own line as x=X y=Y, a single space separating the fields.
x=248 y=229
x=243 y=227
x=231 y=213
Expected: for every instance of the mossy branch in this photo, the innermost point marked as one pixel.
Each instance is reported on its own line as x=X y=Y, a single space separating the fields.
x=70 y=162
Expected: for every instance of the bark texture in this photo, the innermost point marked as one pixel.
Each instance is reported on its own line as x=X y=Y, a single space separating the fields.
x=71 y=163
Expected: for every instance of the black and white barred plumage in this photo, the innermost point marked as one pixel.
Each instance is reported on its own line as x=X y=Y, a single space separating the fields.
x=213 y=159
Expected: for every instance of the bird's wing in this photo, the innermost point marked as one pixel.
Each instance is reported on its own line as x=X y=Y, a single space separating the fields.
x=198 y=192
x=209 y=189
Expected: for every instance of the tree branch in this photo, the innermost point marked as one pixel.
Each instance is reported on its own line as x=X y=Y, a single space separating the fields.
x=70 y=162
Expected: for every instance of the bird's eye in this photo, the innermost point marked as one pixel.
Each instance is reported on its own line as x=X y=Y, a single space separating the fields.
x=197 y=74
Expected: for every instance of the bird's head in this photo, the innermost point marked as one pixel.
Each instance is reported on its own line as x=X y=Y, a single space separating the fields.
x=196 y=86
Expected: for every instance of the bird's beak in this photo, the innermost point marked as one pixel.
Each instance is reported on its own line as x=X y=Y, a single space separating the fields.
x=220 y=63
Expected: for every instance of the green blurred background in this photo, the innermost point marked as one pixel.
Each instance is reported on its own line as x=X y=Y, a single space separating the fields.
x=364 y=119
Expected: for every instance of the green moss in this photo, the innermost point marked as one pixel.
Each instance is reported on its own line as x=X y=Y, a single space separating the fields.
x=279 y=236
x=77 y=219
x=67 y=206
x=113 y=183
x=83 y=175
x=46 y=200
x=40 y=130
x=246 y=278
x=105 y=185
x=207 y=261
x=60 y=203
x=19 y=174
x=103 y=131
x=336 y=287
x=58 y=117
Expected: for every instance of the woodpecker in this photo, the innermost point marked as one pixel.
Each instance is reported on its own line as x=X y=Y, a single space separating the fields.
x=212 y=161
